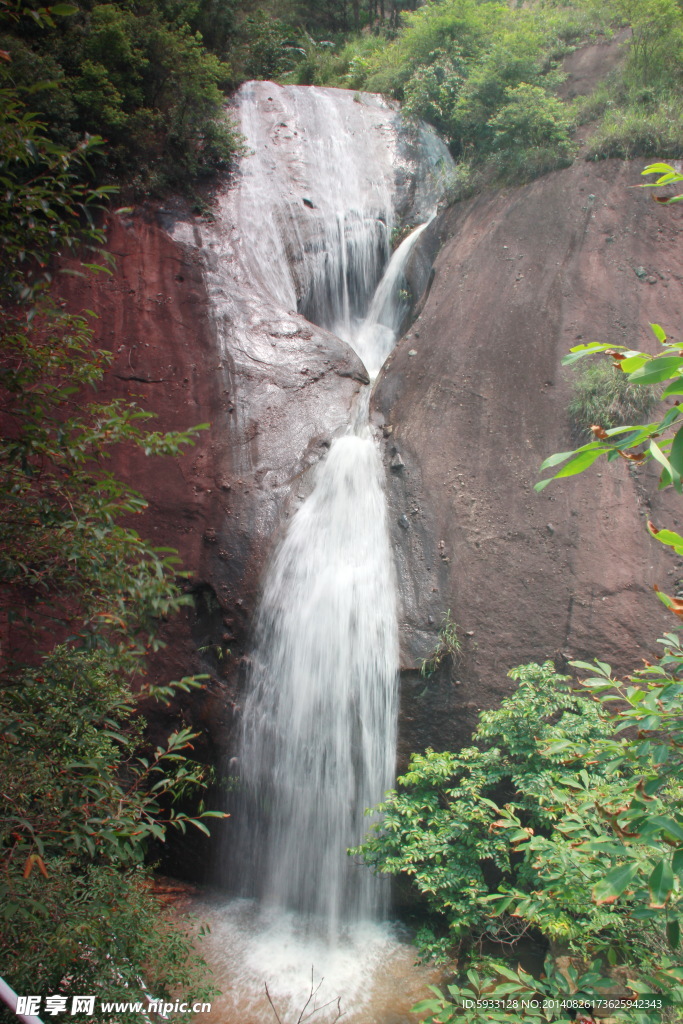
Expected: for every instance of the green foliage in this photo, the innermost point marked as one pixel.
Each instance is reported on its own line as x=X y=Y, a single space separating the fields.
x=646 y=124
x=530 y=117
x=268 y=50
x=431 y=92
x=79 y=804
x=441 y=827
x=602 y=394
x=146 y=83
x=448 y=646
x=618 y=842
x=81 y=597
x=485 y=75
x=565 y=821
x=494 y=994
x=657 y=36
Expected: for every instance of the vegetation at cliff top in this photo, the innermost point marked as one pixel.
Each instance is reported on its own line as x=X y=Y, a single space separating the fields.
x=487 y=75
x=152 y=77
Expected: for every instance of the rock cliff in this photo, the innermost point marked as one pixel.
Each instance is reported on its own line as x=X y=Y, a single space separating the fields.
x=472 y=400
x=476 y=398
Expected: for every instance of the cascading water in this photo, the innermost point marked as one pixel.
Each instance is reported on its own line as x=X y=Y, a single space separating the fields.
x=318 y=741
x=319 y=723
x=312 y=221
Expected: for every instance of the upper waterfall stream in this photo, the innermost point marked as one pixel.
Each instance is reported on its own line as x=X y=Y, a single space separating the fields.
x=310 y=229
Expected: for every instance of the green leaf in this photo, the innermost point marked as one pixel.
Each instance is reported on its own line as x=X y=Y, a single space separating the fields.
x=668 y=537
x=554 y=460
x=662 y=168
x=656 y=370
x=200 y=825
x=659 y=334
x=673 y=933
x=542 y=484
x=609 y=888
x=676 y=452
x=579 y=464
x=663 y=823
x=661 y=458
x=660 y=883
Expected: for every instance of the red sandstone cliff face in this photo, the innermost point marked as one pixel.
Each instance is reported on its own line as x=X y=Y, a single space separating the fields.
x=477 y=399
x=153 y=317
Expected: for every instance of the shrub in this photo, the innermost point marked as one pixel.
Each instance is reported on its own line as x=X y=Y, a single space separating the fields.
x=431 y=92
x=438 y=827
x=603 y=395
x=564 y=821
x=142 y=79
x=530 y=117
x=79 y=804
x=637 y=129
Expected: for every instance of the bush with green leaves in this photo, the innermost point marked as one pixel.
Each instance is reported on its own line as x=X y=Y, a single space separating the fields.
x=137 y=75
x=81 y=800
x=558 y=824
x=529 y=116
x=431 y=92
x=438 y=828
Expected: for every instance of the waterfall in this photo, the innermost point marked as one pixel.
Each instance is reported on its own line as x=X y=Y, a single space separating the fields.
x=307 y=231
x=319 y=726
x=319 y=721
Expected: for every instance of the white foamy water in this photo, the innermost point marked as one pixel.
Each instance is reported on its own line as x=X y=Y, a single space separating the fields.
x=370 y=974
x=375 y=337
x=318 y=743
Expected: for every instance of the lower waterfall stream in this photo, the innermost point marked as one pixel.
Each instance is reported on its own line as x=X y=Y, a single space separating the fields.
x=318 y=726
